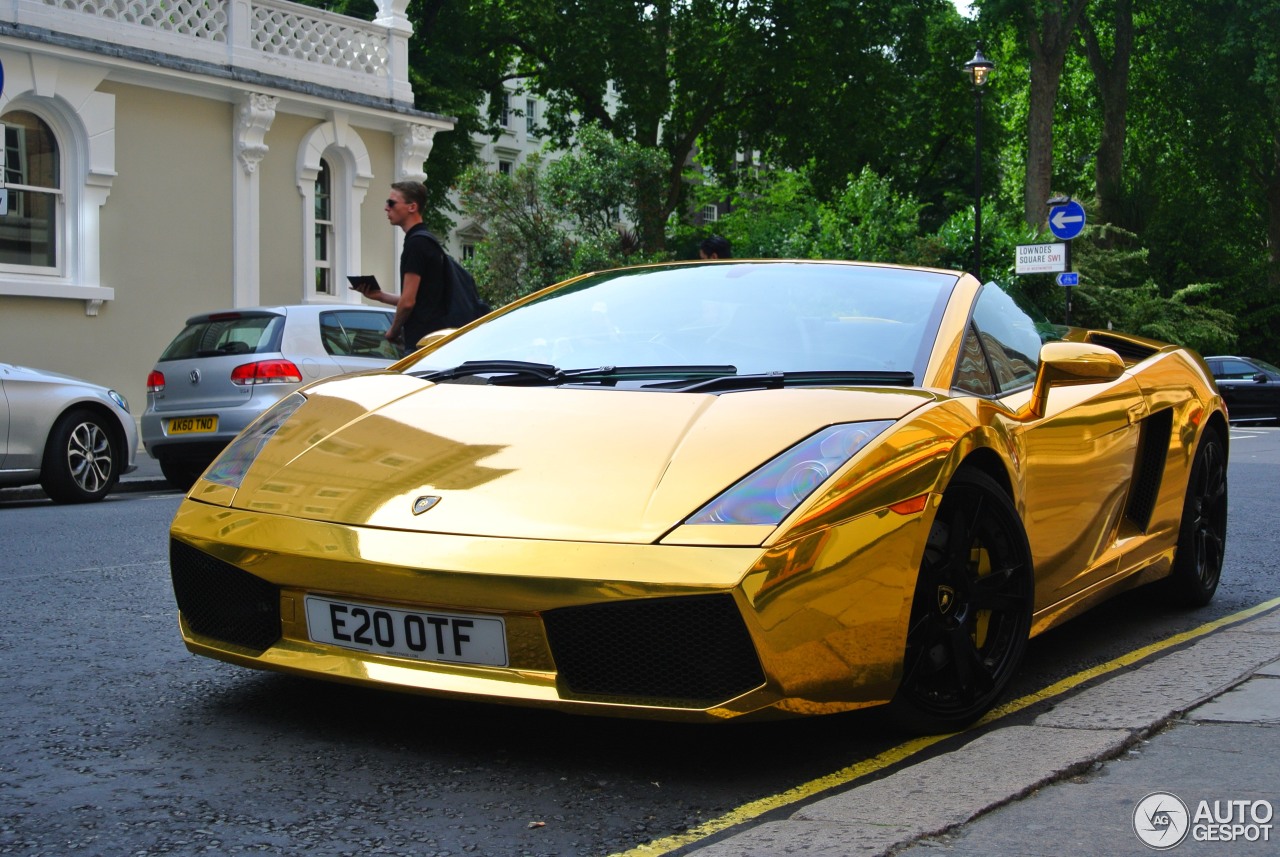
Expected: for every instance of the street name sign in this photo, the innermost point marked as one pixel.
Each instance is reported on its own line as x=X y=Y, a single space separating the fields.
x=1041 y=258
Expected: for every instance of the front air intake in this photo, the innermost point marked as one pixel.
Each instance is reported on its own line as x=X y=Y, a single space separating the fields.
x=685 y=651
x=221 y=601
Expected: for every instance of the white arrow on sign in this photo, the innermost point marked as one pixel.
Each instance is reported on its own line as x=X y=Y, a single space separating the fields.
x=1060 y=218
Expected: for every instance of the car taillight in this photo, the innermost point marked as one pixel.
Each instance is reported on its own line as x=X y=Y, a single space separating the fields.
x=266 y=372
x=155 y=382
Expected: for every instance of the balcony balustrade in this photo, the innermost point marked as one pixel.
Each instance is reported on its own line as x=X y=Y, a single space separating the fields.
x=271 y=37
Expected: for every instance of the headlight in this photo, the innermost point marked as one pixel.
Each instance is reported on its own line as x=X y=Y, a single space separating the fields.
x=230 y=467
x=770 y=493
x=119 y=400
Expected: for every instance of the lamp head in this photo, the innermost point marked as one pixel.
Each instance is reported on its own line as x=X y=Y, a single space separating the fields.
x=979 y=68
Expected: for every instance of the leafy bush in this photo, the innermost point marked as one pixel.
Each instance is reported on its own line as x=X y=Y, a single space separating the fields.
x=547 y=223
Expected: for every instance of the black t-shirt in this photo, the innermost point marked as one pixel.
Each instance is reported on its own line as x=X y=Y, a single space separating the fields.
x=423 y=256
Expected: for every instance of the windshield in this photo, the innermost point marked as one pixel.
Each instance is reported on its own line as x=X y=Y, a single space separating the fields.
x=226 y=333
x=755 y=317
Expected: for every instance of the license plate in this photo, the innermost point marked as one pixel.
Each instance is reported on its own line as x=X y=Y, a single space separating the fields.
x=192 y=425
x=453 y=637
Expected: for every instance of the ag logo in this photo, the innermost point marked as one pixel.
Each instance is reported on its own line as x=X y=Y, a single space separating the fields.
x=1161 y=820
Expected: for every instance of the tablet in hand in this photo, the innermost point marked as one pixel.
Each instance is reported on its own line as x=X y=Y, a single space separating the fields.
x=364 y=283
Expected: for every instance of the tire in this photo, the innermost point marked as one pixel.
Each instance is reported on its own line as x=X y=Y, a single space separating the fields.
x=181 y=473
x=971 y=614
x=1202 y=536
x=82 y=458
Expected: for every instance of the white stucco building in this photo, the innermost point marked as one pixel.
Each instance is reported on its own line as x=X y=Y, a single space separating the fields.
x=164 y=158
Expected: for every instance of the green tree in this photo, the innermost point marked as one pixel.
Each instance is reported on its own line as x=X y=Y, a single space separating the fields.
x=547 y=222
x=1047 y=28
x=1204 y=161
x=712 y=80
x=602 y=180
x=1109 y=48
x=526 y=246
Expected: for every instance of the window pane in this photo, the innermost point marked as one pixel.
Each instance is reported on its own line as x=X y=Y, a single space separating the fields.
x=323 y=249
x=972 y=373
x=31 y=151
x=29 y=231
x=1010 y=339
x=359 y=334
x=323 y=192
x=763 y=318
x=237 y=334
x=322 y=243
x=1237 y=369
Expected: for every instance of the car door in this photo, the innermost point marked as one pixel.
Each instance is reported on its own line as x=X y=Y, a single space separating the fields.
x=1077 y=458
x=1246 y=397
x=356 y=338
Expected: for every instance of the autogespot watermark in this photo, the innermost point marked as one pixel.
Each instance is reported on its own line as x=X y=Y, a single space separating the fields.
x=1162 y=820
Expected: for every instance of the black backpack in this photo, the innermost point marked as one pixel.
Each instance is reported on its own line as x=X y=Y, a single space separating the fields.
x=463 y=303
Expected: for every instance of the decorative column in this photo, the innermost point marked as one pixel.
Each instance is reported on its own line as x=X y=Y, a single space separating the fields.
x=254 y=117
x=392 y=15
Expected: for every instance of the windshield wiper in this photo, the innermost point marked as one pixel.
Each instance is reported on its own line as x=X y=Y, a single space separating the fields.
x=682 y=372
x=803 y=378
x=509 y=371
x=523 y=372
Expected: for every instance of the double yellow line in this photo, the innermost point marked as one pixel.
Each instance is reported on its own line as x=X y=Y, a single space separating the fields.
x=844 y=776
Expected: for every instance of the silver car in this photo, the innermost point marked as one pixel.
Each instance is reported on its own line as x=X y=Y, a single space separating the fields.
x=72 y=437
x=225 y=368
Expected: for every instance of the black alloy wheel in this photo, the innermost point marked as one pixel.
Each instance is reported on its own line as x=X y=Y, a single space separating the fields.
x=1202 y=537
x=81 y=459
x=971 y=616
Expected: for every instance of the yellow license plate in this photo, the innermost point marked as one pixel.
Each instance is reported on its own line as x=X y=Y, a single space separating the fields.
x=192 y=425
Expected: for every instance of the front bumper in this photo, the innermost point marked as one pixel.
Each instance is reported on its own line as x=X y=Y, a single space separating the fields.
x=659 y=631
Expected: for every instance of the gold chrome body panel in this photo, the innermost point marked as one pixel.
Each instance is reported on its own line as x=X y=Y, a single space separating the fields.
x=554 y=497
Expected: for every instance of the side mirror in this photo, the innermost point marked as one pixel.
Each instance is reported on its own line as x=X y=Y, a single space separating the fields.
x=1260 y=378
x=1070 y=364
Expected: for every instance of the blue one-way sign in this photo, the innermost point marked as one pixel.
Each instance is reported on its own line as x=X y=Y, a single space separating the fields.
x=1066 y=221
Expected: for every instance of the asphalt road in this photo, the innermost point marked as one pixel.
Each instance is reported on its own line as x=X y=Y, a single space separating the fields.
x=115 y=740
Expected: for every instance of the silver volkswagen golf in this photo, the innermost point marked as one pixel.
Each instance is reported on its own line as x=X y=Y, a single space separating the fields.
x=225 y=368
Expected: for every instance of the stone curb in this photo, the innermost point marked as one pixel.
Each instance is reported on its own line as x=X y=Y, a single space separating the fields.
x=1088 y=727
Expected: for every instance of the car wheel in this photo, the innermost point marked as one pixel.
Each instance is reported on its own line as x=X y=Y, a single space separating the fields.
x=180 y=473
x=1202 y=537
x=971 y=615
x=81 y=462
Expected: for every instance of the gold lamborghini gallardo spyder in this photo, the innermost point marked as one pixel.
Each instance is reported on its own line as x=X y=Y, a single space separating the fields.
x=710 y=490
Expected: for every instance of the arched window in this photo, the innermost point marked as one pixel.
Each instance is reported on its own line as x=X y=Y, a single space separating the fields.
x=334 y=171
x=324 y=230
x=30 y=210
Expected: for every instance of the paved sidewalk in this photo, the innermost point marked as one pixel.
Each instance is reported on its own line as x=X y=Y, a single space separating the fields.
x=1201 y=723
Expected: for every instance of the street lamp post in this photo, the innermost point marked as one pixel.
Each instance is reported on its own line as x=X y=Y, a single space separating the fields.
x=979 y=69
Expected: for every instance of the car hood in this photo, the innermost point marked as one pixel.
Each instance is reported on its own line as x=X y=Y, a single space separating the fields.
x=564 y=463
x=42 y=376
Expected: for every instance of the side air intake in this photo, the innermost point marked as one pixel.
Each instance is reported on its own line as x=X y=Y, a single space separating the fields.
x=224 y=602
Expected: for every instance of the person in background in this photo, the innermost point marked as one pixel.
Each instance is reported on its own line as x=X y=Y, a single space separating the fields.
x=420 y=306
x=715 y=247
